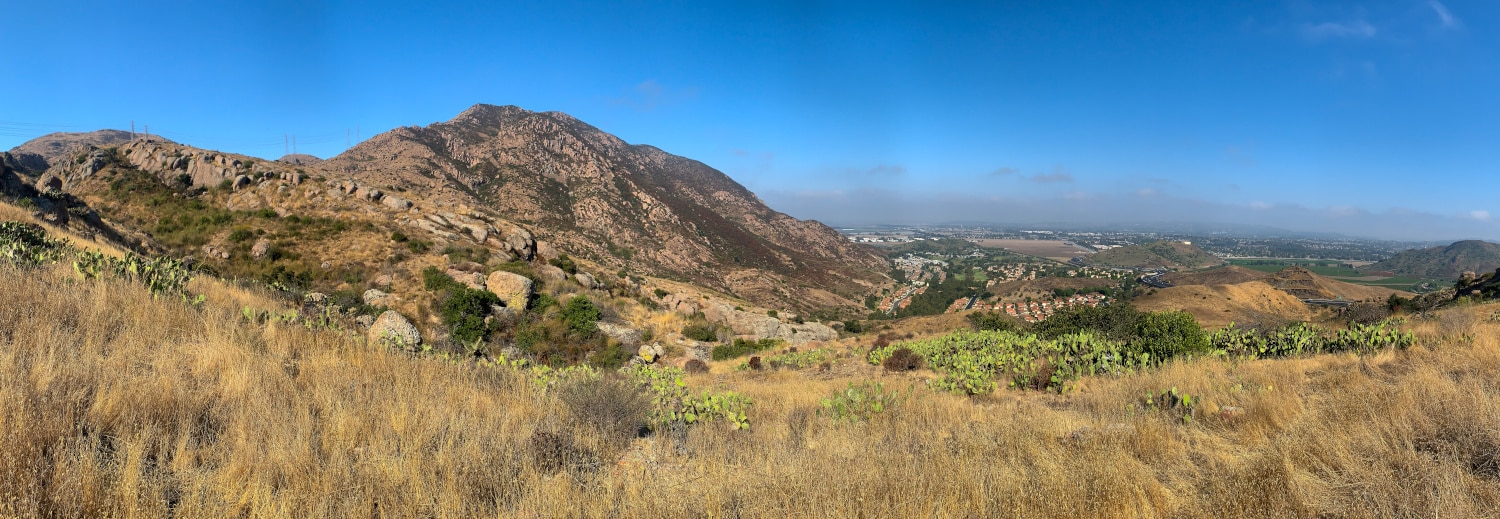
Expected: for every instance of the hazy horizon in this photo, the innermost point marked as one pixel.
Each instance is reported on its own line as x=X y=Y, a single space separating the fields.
x=1360 y=120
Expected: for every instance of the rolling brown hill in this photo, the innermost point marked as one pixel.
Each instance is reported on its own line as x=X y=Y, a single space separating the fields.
x=1215 y=306
x=1228 y=275
x=1304 y=284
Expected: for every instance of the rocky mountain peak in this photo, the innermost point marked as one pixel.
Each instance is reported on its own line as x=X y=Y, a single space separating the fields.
x=621 y=205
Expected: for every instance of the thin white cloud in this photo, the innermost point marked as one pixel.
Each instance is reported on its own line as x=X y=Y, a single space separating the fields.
x=1004 y=171
x=886 y=171
x=1051 y=178
x=1478 y=215
x=1444 y=15
x=1357 y=29
x=649 y=95
x=1145 y=192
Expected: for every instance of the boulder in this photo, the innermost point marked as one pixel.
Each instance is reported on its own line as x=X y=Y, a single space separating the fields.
x=505 y=316
x=261 y=249
x=472 y=280
x=393 y=329
x=545 y=250
x=626 y=335
x=698 y=350
x=383 y=280
x=49 y=182
x=512 y=288
x=396 y=202
x=586 y=279
x=649 y=353
x=213 y=252
x=551 y=273
x=522 y=243
x=374 y=297
x=240 y=182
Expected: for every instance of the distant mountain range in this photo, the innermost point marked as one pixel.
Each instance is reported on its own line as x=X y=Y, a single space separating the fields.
x=1443 y=262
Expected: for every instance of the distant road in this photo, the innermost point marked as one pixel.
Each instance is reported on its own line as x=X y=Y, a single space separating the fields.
x=1155 y=280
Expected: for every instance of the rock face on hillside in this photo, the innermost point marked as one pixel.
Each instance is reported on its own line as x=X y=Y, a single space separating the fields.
x=592 y=195
x=37 y=155
x=1443 y=262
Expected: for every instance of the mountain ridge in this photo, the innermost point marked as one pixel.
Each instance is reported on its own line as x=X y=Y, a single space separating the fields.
x=492 y=169
x=1445 y=262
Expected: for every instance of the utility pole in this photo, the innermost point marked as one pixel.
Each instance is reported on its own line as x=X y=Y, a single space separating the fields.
x=147 y=131
x=346 y=137
x=132 y=129
x=286 y=146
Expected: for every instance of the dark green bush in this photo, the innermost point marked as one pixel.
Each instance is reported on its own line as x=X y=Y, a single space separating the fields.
x=581 y=314
x=565 y=263
x=241 y=234
x=742 y=347
x=993 y=321
x=700 y=332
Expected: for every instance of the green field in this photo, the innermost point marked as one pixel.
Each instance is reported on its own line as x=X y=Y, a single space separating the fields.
x=1337 y=270
x=1321 y=268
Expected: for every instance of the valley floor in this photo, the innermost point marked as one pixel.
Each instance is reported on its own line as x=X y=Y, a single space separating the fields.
x=113 y=403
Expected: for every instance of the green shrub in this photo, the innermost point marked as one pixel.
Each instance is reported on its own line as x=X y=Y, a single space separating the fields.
x=462 y=309
x=992 y=321
x=659 y=293
x=701 y=332
x=565 y=263
x=581 y=314
x=398 y=237
x=1169 y=334
x=541 y=303
x=859 y=402
x=742 y=347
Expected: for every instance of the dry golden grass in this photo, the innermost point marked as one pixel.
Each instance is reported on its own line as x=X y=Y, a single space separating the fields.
x=115 y=404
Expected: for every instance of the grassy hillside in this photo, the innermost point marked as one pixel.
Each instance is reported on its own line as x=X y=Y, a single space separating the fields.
x=1160 y=254
x=1443 y=262
x=115 y=403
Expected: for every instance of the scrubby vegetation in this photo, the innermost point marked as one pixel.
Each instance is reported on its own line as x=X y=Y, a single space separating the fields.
x=120 y=403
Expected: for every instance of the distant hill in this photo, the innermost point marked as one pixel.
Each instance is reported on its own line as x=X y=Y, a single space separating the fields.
x=1443 y=262
x=40 y=153
x=300 y=159
x=1161 y=254
x=1228 y=275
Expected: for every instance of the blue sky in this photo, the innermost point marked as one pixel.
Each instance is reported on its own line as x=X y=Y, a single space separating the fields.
x=1375 y=119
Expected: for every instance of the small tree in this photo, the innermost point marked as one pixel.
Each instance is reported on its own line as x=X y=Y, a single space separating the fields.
x=581 y=314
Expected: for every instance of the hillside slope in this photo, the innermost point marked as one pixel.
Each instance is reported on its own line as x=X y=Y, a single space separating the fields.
x=120 y=404
x=1443 y=262
x=1304 y=284
x=1227 y=275
x=1164 y=254
x=1215 y=306
x=522 y=185
x=595 y=196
